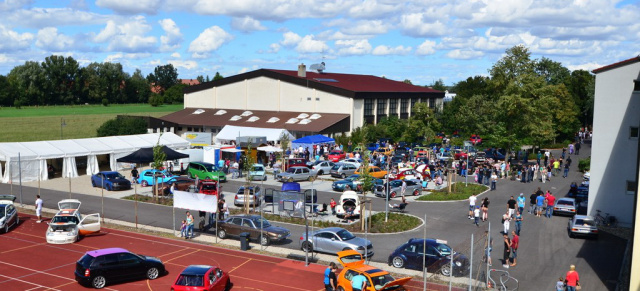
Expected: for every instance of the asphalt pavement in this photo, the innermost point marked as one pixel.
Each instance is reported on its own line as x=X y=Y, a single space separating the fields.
x=545 y=251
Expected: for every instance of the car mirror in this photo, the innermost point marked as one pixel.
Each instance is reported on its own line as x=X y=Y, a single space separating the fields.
x=333 y=238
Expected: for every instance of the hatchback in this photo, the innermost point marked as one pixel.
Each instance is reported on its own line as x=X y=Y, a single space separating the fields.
x=342 y=170
x=202 y=277
x=8 y=212
x=437 y=257
x=582 y=225
x=110 y=181
x=254 y=196
x=204 y=171
x=101 y=267
x=566 y=206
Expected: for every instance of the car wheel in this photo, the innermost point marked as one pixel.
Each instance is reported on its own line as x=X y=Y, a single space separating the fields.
x=393 y=195
x=445 y=270
x=227 y=286
x=98 y=282
x=6 y=227
x=307 y=247
x=93 y=184
x=153 y=273
x=347 y=249
x=144 y=183
x=264 y=240
x=343 y=175
x=571 y=235
x=290 y=180
x=397 y=262
x=340 y=288
x=416 y=193
x=320 y=172
x=264 y=178
x=17 y=220
x=222 y=234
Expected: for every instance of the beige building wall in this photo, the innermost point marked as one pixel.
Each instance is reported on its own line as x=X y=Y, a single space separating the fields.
x=200 y=99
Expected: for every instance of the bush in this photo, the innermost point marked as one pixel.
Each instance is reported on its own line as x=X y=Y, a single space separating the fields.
x=17 y=104
x=105 y=102
x=156 y=100
x=397 y=222
x=458 y=192
x=122 y=126
x=584 y=164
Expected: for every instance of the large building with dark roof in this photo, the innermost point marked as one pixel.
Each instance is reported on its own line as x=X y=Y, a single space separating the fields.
x=299 y=101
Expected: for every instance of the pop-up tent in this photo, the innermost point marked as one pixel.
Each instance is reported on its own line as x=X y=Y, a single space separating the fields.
x=145 y=155
x=307 y=142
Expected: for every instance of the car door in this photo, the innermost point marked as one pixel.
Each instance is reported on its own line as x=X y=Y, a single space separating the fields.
x=108 y=267
x=250 y=227
x=89 y=224
x=99 y=179
x=131 y=266
x=413 y=252
x=432 y=257
x=12 y=215
x=322 y=241
x=234 y=226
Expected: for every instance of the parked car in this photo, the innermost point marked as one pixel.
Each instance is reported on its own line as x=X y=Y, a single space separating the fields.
x=377 y=279
x=336 y=155
x=481 y=157
x=444 y=156
x=342 y=170
x=565 y=206
x=258 y=172
x=255 y=196
x=351 y=183
x=374 y=171
x=101 y=267
x=460 y=154
x=8 y=212
x=372 y=146
x=384 y=151
x=296 y=174
x=349 y=202
x=68 y=225
x=149 y=177
x=475 y=139
x=580 y=193
x=181 y=183
x=322 y=167
x=414 y=187
x=419 y=150
x=237 y=224
x=202 y=277
x=209 y=187
x=401 y=151
x=582 y=225
x=356 y=161
x=295 y=162
x=110 y=180
x=494 y=154
x=407 y=174
x=204 y=171
x=437 y=258
x=332 y=240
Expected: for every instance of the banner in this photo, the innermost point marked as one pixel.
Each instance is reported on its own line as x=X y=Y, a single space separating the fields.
x=195 y=201
x=198 y=138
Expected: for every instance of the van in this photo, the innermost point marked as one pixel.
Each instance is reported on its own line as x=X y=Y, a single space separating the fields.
x=205 y=171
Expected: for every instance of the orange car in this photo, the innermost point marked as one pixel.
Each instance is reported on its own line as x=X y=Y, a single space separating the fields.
x=374 y=171
x=377 y=280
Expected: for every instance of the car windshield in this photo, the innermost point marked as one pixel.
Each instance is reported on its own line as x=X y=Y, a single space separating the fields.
x=257 y=220
x=345 y=234
x=565 y=202
x=381 y=280
x=352 y=178
x=210 y=168
x=335 y=153
x=445 y=250
x=209 y=186
x=257 y=169
x=190 y=280
x=64 y=219
x=111 y=176
x=241 y=191
x=585 y=222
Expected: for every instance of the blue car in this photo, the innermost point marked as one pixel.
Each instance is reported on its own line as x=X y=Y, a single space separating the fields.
x=110 y=181
x=411 y=255
x=352 y=182
x=149 y=177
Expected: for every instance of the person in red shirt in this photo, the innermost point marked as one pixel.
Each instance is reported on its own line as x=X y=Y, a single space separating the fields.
x=333 y=205
x=515 y=242
x=551 y=200
x=572 y=279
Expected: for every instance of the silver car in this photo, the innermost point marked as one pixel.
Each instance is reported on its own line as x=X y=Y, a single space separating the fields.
x=255 y=196
x=342 y=170
x=333 y=240
x=565 y=206
x=322 y=167
x=414 y=187
x=582 y=225
x=296 y=174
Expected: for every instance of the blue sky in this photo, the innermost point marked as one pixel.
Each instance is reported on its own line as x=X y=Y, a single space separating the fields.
x=422 y=40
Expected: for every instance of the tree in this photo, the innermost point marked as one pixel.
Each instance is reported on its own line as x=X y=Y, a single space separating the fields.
x=438 y=85
x=200 y=79
x=216 y=77
x=7 y=94
x=61 y=80
x=407 y=81
x=137 y=88
x=163 y=77
x=105 y=80
x=582 y=88
x=159 y=157
x=175 y=94
x=28 y=82
x=122 y=126
x=552 y=72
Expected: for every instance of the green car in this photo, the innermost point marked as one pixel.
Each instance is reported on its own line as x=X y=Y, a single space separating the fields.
x=204 y=171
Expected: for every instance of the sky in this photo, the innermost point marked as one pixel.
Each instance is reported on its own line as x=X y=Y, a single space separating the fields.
x=422 y=40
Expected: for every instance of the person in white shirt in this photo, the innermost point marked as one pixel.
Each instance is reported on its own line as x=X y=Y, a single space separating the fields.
x=39 y=208
x=472 y=205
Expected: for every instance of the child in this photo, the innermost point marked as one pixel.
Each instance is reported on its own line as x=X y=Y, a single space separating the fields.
x=476 y=215
x=183 y=229
x=560 y=284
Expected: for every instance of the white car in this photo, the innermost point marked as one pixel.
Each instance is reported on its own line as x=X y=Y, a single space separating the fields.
x=354 y=161
x=68 y=224
x=587 y=176
x=349 y=202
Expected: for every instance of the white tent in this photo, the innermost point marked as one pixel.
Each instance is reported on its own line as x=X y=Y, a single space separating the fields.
x=270 y=149
x=33 y=155
x=231 y=132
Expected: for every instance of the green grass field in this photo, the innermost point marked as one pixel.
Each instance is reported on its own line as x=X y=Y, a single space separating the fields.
x=82 y=121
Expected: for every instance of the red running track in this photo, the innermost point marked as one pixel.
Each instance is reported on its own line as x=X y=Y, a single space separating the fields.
x=27 y=262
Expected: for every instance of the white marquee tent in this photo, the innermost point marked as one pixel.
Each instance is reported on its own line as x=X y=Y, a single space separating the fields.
x=33 y=155
x=231 y=132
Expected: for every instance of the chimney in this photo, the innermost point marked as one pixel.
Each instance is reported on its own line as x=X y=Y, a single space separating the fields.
x=302 y=71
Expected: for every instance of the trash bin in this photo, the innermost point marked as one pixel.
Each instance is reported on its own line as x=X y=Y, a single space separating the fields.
x=244 y=241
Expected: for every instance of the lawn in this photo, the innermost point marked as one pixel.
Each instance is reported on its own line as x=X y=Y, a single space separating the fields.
x=458 y=192
x=81 y=121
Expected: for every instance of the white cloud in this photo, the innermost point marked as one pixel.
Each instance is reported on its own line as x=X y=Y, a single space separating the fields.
x=131 y=6
x=246 y=24
x=172 y=38
x=418 y=25
x=371 y=9
x=209 y=40
x=277 y=10
x=372 y=27
x=119 y=57
x=49 y=39
x=464 y=54
x=273 y=48
x=382 y=50
x=175 y=55
x=426 y=48
x=290 y=39
x=353 y=47
x=53 y=17
x=310 y=45
x=189 y=65
x=13 y=41
x=128 y=36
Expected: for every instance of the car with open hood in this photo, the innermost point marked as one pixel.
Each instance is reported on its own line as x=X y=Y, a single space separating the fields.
x=437 y=258
x=349 y=202
x=376 y=278
x=322 y=167
x=99 y=268
x=332 y=240
x=336 y=155
x=202 y=277
x=68 y=225
x=259 y=229
x=8 y=213
x=110 y=180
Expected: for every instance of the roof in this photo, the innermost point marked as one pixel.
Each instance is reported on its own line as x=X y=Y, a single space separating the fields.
x=617 y=65
x=108 y=251
x=219 y=117
x=348 y=85
x=196 y=270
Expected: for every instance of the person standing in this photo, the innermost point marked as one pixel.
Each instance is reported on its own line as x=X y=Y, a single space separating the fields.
x=333 y=205
x=220 y=209
x=532 y=202
x=507 y=250
x=330 y=277
x=551 y=200
x=515 y=242
x=485 y=208
x=518 y=220
x=494 y=180
x=521 y=203
x=506 y=223
x=476 y=216
x=566 y=170
x=540 y=200
x=572 y=279
x=488 y=247
x=472 y=205
x=511 y=206
x=39 y=208
x=577 y=148
x=134 y=175
x=190 y=223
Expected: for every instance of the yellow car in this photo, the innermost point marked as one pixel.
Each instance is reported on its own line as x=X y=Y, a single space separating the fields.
x=377 y=280
x=374 y=171
x=384 y=151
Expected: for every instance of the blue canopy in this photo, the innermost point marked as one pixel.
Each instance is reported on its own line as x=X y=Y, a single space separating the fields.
x=314 y=139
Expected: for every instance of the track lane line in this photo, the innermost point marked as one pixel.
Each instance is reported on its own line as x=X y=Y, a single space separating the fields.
x=182 y=256
x=27 y=282
x=238 y=266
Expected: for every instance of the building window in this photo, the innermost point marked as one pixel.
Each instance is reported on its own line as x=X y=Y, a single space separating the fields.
x=636 y=85
x=393 y=106
x=179 y=128
x=404 y=106
x=432 y=103
x=413 y=103
x=382 y=106
x=368 y=107
x=632 y=187
x=633 y=132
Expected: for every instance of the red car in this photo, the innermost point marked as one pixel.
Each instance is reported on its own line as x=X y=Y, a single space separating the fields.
x=202 y=277
x=460 y=155
x=295 y=162
x=336 y=155
x=209 y=187
x=475 y=139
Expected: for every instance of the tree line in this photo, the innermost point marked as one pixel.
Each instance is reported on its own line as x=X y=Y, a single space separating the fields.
x=60 y=80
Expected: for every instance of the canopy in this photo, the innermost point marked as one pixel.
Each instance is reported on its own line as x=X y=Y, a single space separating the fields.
x=270 y=149
x=232 y=150
x=231 y=132
x=145 y=155
x=315 y=139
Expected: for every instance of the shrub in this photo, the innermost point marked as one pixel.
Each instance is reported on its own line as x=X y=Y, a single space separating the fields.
x=122 y=126
x=584 y=164
x=105 y=102
x=156 y=100
x=458 y=192
x=17 y=104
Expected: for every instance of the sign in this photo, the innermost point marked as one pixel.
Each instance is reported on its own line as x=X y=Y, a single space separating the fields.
x=198 y=138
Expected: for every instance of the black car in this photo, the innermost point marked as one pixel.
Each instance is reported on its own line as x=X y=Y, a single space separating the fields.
x=101 y=267
x=411 y=255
